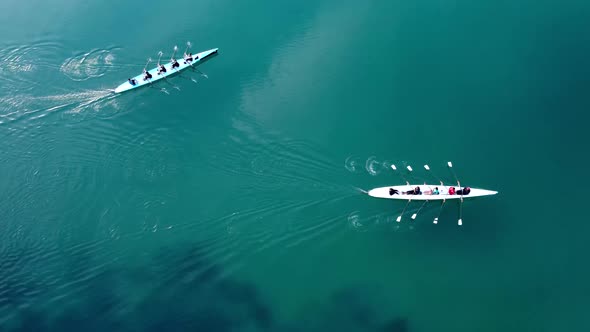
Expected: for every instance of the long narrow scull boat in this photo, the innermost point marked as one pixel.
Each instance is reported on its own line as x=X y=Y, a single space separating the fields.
x=429 y=192
x=426 y=192
x=155 y=75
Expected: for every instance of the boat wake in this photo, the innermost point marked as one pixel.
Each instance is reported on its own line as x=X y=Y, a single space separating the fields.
x=93 y=64
x=15 y=108
x=372 y=165
x=27 y=58
x=29 y=69
x=377 y=221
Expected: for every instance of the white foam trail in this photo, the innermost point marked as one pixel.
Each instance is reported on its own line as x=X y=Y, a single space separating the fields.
x=35 y=107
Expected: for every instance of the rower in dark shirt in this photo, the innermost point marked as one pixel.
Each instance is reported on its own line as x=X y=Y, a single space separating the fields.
x=146 y=75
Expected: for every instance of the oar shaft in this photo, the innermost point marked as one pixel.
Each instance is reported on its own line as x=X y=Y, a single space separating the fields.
x=146 y=64
x=160 y=57
x=174 y=52
x=439 y=211
x=404 y=210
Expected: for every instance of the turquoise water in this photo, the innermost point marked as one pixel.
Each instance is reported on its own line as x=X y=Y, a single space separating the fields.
x=235 y=202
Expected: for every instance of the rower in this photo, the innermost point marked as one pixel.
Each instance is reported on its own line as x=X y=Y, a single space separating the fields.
x=452 y=191
x=188 y=58
x=132 y=81
x=464 y=191
x=393 y=192
x=146 y=75
x=415 y=191
x=175 y=63
x=435 y=191
x=161 y=69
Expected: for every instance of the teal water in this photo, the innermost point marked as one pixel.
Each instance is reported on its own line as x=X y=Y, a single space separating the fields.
x=235 y=202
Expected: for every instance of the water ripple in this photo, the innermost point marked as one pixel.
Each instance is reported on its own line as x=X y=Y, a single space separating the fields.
x=92 y=64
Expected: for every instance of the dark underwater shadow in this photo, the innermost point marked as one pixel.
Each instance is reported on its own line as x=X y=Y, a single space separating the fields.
x=179 y=290
x=356 y=308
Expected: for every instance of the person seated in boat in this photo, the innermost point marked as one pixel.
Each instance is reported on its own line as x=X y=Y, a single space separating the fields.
x=146 y=75
x=415 y=191
x=431 y=191
x=393 y=192
x=464 y=191
x=188 y=58
x=132 y=81
x=161 y=69
x=175 y=63
x=452 y=191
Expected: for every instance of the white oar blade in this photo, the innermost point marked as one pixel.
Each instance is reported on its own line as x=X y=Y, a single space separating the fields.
x=435 y=220
x=393 y=167
x=399 y=219
x=460 y=222
x=409 y=168
x=414 y=216
x=427 y=167
x=450 y=164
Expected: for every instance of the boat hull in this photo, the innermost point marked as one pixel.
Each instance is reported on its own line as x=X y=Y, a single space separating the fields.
x=384 y=192
x=202 y=57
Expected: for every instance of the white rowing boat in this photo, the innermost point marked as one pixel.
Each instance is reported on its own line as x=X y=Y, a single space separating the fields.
x=172 y=67
x=429 y=192
x=426 y=192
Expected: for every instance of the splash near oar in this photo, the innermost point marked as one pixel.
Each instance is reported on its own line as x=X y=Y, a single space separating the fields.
x=166 y=70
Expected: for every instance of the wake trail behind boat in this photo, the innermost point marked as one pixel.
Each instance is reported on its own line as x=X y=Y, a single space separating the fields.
x=23 y=107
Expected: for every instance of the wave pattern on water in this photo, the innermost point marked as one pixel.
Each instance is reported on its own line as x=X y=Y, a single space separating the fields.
x=89 y=65
x=24 y=96
x=19 y=59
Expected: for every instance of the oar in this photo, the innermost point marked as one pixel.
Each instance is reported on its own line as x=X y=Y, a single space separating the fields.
x=147 y=63
x=450 y=164
x=415 y=214
x=188 y=45
x=145 y=69
x=174 y=53
x=439 y=212
x=400 y=174
x=159 y=57
x=404 y=210
x=203 y=74
x=460 y=221
x=434 y=176
x=409 y=168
